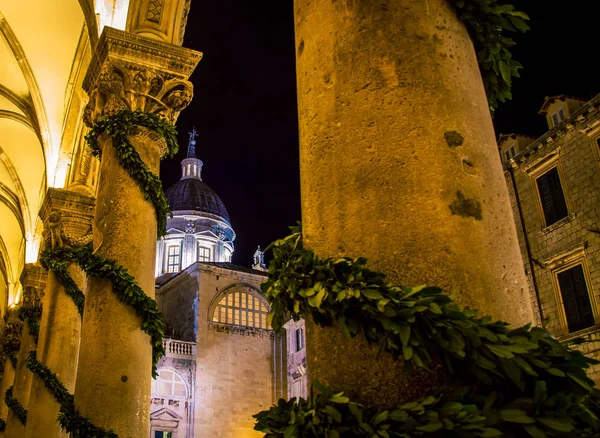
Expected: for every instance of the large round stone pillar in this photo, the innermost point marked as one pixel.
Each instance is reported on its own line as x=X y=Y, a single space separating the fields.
x=398 y=157
x=114 y=372
x=64 y=213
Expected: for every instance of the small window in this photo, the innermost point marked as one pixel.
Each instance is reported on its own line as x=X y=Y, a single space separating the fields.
x=173 y=258
x=163 y=434
x=299 y=339
x=169 y=383
x=509 y=153
x=203 y=254
x=552 y=197
x=558 y=116
x=243 y=309
x=576 y=299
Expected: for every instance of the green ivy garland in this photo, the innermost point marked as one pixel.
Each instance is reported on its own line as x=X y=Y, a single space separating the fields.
x=119 y=127
x=31 y=315
x=539 y=386
x=69 y=418
x=13 y=404
x=487 y=21
x=123 y=286
x=10 y=347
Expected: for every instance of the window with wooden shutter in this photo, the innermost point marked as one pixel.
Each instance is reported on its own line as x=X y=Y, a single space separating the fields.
x=558 y=116
x=552 y=197
x=576 y=299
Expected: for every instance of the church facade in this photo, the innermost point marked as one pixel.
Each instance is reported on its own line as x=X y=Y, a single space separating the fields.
x=223 y=362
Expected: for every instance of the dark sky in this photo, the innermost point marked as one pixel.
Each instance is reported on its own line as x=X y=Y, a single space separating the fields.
x=245 y=101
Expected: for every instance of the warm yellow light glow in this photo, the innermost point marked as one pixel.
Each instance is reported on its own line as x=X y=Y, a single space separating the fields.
x=112 y=13
x=14 y=294
x=60 y=177
x=32 y=249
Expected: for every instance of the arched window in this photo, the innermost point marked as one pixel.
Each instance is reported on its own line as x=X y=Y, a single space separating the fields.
x=241 y=308
x=170 y=384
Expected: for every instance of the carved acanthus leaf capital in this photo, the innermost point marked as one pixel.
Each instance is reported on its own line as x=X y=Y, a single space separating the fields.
x=137 y=73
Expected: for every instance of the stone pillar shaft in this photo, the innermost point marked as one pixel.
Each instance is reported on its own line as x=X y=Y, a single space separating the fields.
x=64 y=213
x=398 y=157
x=33 y=280
x=114 y=371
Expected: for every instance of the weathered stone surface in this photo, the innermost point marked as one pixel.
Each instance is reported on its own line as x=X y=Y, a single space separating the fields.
x=67 y=218
x=33 y=279
x=127 y=72
x=380 y=86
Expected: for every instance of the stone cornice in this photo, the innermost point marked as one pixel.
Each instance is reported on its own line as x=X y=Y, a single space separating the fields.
x=116 y=44
x=583 y=120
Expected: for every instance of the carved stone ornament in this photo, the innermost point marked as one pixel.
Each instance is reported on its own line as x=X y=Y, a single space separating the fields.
x=190 y=227
x=33 y=280
x=67 y=218
x=136 y=73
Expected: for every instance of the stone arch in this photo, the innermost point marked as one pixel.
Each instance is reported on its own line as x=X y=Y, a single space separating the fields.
x=241 y=287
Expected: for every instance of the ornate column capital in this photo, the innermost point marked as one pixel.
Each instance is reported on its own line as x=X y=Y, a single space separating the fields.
x=67 y=218
x=33 y=280
x=136 y=73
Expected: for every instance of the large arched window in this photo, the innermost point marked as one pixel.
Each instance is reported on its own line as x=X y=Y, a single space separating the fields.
x=241 y=308
x=169 y=383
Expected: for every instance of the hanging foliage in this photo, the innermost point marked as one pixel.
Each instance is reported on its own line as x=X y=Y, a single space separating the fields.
x=488 y=22
x=13 y=404
x=118 y=127
x=69 y=418
x=123 y=284
x=520 y=381
x=31 y=315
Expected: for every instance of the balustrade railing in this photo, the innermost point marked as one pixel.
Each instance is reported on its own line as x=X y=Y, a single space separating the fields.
x=174 y=348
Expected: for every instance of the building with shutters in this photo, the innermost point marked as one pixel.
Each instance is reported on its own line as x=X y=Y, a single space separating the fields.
x=554 y=184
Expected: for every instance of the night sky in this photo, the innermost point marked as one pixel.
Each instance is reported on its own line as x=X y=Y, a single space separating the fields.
x=244 y=107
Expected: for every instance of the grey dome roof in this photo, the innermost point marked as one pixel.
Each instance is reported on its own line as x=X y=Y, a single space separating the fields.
x=194 y=194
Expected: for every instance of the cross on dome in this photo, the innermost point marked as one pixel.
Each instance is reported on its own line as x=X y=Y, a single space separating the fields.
x=191 y=152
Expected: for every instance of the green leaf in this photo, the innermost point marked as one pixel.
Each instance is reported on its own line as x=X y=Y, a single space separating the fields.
x=516 y=416
x=557 y=424
x=404 y=332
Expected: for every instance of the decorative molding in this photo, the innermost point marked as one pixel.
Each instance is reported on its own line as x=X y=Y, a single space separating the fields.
x=154 y=11
x=239 y=330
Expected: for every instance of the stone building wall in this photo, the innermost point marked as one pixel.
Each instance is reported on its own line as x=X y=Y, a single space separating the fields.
x=297 y=372
x=239 y=371
x=237 y=367
x=573 y=148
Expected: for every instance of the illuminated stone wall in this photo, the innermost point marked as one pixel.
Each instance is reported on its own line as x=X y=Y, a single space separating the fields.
x=239 y=371
x=573 y=148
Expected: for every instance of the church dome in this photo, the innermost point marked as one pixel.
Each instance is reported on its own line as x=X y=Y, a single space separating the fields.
x=193 y=194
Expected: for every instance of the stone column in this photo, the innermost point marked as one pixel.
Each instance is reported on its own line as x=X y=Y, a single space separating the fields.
x=12 y=330
x=399 y=162
x=67 y=218
x=114 y=371
x=33 y=279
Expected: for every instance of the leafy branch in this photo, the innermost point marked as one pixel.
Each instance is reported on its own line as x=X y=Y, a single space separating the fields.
x=535 y=377
x=487 y=22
